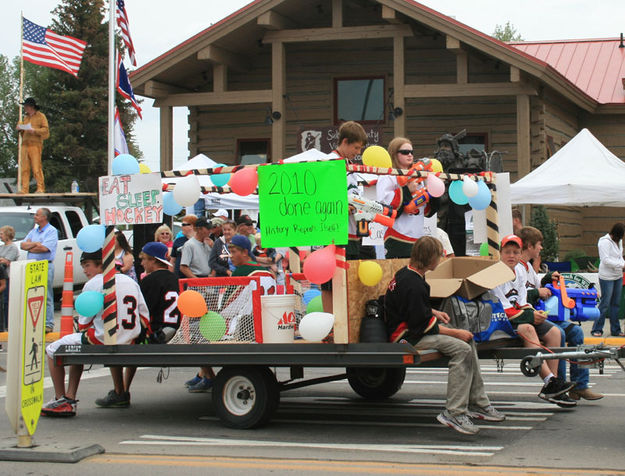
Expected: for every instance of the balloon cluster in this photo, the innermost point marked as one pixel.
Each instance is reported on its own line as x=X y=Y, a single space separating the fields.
x=473 y=192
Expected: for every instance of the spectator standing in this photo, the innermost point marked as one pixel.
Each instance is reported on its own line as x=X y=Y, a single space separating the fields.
x=245 y=227
x=9 y=252
x=188 y=223
x=41 y=243
x=164 y=235
x=196 y=252
x=220 y=255
x=124 y=260
x=611 y=267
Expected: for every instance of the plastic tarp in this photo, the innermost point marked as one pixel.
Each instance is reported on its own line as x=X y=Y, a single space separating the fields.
x=583 y=173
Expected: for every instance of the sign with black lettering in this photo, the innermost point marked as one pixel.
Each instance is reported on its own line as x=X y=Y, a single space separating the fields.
x=303 y=204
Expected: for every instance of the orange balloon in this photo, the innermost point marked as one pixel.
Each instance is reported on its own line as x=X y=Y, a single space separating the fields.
x=192 y=304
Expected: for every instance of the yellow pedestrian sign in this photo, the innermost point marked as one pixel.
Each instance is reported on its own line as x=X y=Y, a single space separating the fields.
x=35 y=282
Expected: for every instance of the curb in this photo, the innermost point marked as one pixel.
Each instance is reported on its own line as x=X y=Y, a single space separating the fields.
x=49 y=454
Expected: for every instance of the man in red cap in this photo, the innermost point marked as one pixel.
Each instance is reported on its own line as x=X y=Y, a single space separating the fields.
x=34 y=130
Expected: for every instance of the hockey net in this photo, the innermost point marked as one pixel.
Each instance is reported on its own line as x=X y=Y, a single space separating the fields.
x=234 y=311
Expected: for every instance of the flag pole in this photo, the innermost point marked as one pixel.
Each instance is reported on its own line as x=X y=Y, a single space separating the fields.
x=111 y=96
x=19 y=135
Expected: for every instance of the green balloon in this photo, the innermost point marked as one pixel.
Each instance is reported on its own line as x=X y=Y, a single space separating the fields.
x=315 y=305
x=484 y=249
x=212 y=326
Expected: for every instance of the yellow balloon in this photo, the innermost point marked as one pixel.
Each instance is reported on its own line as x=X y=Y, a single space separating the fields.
x=376 y=156
x=369 y=273
x=436 y=165
x=144 y=169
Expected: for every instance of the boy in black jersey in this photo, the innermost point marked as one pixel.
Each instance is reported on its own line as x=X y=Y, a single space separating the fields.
x=410 y=317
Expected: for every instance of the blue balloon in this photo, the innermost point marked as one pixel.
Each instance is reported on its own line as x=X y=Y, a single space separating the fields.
x=310 y=295
x=90 y=238
x=125 y=164
x=483 y=197
x=170 y=206
x=456 y=194
x=219 y=180
x=89 y=303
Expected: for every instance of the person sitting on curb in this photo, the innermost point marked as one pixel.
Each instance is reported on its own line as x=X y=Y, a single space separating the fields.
x=531 y=325
x=573 y=334
x=410 y=317
x=132 y=314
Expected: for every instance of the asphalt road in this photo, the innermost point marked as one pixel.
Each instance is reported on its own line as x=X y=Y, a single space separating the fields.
x=328 y=429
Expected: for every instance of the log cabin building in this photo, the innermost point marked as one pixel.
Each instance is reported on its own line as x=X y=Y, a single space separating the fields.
x=259 y=80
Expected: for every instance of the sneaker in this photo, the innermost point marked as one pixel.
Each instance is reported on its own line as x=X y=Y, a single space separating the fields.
x=555 y=387
x=49 y=329
x=114 y=400
x=563 y=401
x=194 y=381
x=488 y=413
x=62 y=407
x=585 y=393
x=460 y=423
x=203 y=386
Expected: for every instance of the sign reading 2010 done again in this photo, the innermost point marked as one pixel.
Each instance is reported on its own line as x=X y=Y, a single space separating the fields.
x=131 y=199
x=303 y=204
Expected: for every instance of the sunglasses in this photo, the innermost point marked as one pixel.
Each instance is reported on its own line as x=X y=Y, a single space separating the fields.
x=186 y=224
x=405 y=151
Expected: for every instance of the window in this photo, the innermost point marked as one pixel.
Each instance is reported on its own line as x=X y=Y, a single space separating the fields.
x=56 y=222
x=359 y=99
x=74 y=222
x=253 y=151
x=477 y=141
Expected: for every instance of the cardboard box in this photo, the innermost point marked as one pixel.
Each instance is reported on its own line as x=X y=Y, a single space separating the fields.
x=467 y=276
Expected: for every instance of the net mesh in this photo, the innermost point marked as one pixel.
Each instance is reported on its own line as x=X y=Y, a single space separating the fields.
x=230 y=317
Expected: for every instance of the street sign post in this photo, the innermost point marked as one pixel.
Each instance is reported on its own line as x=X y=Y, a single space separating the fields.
x=25 y=359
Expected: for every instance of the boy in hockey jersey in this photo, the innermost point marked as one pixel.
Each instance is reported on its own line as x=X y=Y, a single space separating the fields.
x=410 y=317
x=132 y=314
x=531 y=325
x=573 y=334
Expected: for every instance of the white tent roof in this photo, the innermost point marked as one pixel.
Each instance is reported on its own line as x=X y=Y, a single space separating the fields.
x=583 y=173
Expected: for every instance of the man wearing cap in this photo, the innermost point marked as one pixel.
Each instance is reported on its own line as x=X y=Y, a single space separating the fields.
x=196 y=252
x=188 y=230
x=33 y=130
x=245 y=227
x=132 y=315
x=240 y=255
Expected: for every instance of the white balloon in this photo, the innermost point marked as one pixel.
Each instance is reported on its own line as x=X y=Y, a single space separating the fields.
x=469 y=187
x=187 y=191
x=315 y=326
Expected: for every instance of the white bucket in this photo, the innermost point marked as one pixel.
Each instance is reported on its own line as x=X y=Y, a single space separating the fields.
x=278 y=313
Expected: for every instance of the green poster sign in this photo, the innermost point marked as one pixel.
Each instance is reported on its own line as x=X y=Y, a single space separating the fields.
x=303 y=204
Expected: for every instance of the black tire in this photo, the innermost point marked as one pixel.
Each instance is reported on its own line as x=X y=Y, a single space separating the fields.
x=527 y=369
x=245 y=397
x=376 y=383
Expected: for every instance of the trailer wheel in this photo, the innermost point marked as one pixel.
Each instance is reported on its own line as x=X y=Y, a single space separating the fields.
x=376 y=383
x=526 y=367
x=245 y=397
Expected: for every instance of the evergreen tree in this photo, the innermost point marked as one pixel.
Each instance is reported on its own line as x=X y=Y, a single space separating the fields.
x=9 y=95
x=507 y=32
x=77 y=108
x=549 y=229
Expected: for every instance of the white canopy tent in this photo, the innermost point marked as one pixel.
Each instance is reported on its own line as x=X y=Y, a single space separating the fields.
x=583 y=173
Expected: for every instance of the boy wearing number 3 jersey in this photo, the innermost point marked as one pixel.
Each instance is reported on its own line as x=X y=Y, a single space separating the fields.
x=132 y=315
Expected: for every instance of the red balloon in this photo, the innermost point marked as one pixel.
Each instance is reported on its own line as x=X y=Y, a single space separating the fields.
x=192 y=304
x=320 y=265
x=243 y=182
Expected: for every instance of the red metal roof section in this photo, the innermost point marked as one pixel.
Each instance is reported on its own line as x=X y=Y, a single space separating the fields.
x=597 y=67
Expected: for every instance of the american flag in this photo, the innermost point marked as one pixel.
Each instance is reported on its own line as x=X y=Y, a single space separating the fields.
x=46 y=48
x=122 y=22
x=124 y=87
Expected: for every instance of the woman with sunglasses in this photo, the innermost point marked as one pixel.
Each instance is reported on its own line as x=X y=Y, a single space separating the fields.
x=407 y=228
x=164 y=235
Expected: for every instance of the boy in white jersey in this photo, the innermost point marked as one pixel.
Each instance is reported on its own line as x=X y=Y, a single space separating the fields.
x=132 y=313
x=572 y=334
x=531 y=325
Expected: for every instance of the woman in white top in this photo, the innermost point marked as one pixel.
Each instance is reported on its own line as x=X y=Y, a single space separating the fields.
x=407 y=228
x=611 y=267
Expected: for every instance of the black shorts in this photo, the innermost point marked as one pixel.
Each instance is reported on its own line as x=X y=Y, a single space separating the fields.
x=541 y=329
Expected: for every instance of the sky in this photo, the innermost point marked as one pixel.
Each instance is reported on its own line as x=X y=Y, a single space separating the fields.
x=156 y=28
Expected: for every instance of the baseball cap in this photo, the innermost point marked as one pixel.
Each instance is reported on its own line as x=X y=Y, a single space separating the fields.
x=242 y=242
x=511 y=239
x=157 y=251
x=221 y=213
x=244 y=220
x=91 y=255
x=203 y=222
x=217 y=221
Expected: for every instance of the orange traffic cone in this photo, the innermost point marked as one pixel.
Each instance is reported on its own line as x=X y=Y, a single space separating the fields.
x=67 y=302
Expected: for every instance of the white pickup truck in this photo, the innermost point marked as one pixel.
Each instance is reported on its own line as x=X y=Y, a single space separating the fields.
x=67 y=220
